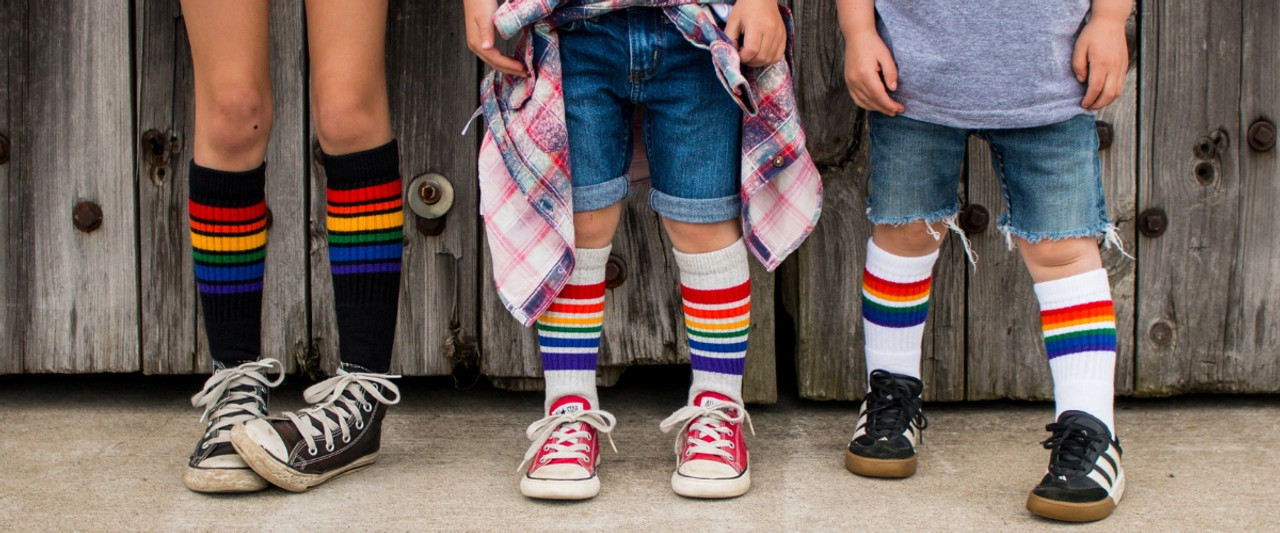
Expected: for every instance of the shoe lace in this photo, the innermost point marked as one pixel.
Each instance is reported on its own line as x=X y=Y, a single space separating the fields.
x=559 y=435
x=699 y=423
x=232 y=395
x=1071 y=444
x=891 y=406
x=338 y=400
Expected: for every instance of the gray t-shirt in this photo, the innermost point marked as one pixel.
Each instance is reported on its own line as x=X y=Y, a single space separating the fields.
x=985 y=64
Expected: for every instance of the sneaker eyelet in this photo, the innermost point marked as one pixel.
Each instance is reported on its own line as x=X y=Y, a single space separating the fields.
x=368 y=407
x=730 y=445
x=688 y=453
x=312 y=451
x=359 y=424
x=346 y=439
x=204 y=446
x=543 y=460
x=328 y=447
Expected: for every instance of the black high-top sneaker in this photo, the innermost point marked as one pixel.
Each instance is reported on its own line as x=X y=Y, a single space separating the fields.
x=339 y=433
x=230 y=396
x=889 y=425
x=1085 y=480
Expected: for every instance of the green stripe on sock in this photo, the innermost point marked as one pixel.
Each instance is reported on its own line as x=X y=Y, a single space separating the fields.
x=224 y=259
x=360 y=238
x=890 y=309
x=1082 y=333
x=570 y=329
x=718 y=335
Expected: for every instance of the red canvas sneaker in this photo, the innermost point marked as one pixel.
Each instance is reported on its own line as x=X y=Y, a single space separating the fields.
x=711 y=459
x=565 y=451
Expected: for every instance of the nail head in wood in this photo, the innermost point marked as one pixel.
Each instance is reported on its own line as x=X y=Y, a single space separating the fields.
x=1106 y=134
x=1152 y=222
x=974 y=219
x=1262 y=135
x=615 y=272
x=87 y=216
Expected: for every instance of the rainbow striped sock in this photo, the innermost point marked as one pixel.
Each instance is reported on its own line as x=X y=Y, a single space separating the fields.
x=1079 y=323
x=569 y=330
x=366 y=242
x=716 y=290
x=228 y=218
x=895 y=305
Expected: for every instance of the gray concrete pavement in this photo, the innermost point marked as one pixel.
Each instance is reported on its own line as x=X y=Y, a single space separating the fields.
x=105 y=453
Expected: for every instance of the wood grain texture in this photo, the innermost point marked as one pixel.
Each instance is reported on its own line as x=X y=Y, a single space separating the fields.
x=1191 y=284
x=74 y=144
x=13 y=314
x=173 y=338
x=827 y=270
x=432 y=78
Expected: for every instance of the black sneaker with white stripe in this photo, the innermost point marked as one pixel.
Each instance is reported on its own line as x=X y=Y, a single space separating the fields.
x=1085 y=480
x=889 y=425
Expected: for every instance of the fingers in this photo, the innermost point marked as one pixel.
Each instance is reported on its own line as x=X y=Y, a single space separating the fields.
x=1080 y=63
x=752 y=44
x=869 y=93
x=1097 y=80
x=1112 y=88
x=480 y=35
x=890 y=71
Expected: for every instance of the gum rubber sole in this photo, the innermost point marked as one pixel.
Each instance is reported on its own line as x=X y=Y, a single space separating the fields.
x=1077 y=512
x=887 y=468
x=692 y=487
x=550 y=489
x=280 y=474
x=223 y=480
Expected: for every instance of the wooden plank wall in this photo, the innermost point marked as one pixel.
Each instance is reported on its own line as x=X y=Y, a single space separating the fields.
x=70 y=295
x=1206 y=284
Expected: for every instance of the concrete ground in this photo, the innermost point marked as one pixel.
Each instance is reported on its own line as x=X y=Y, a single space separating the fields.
x=105 y=453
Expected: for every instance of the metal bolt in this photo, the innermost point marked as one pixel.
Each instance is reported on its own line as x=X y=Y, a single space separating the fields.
x=1153 y=222
x=1205 y=172
x=974 y=219
x=87 y=216
x=1205 y=148
x=1106 y=134
x=429 y=193
x=1161 y=334
x=4 y=149
x=1262 y=135
x=615 y=272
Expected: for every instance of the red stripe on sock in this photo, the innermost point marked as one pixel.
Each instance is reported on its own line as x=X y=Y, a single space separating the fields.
x=915 y=289
x=557 y=307
x=582 y=292
x=718 y=313
x=1075 y=312
x=227 y=214
x=390 y=189
x=365 y=208
x=716 y=296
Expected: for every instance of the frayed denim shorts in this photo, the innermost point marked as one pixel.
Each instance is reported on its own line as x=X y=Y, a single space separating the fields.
x=692 y=127
x=1050 y=176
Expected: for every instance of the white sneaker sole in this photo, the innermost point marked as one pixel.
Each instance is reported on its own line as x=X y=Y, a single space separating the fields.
x=223 y=480
x=556 y=489
x=692 y=487
x=280 y=474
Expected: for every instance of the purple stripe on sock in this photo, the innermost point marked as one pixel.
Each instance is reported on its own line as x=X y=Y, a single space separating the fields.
x=368 y=268
x=230 y=289
x=732 y=366
x=568 y=361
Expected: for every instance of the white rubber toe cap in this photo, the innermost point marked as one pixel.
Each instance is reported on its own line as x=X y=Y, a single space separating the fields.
x=265 y=436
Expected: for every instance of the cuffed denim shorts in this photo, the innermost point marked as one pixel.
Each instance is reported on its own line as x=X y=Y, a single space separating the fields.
x=1050 y=176
x=692 y=127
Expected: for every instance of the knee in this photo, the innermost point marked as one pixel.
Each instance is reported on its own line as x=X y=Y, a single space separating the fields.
x=910 y=240
x=239 y=119
x=351 y=120
x=1056 y=254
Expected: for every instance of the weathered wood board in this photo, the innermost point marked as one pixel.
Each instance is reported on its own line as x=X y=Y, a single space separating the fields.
x=1209 y=70
x=826 y=272
x=173 y=339
x=70 y=297
x=433 y=80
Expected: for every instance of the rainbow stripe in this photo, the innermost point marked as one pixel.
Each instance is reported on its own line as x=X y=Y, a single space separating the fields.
x=569 y=330
x=894 y=305
x=366 y=229
x=229 y=246
x=718 y=322
x=1088 y=327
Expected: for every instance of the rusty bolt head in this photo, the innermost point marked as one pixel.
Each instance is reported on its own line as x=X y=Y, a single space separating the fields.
x=1205 y=172
x=1262 y=135
x=429 y=193
x=87 y=216
x=1106 y=134
x=1161 y=334
x=429 y=227
x=4 y=149
x=1152 y=222
x=974 y=219
x=1205 y=148
x=615 y=272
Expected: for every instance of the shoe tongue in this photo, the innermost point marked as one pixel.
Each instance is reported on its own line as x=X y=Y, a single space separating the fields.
x=711 y=399
x=570 y=404
x=1081 y=418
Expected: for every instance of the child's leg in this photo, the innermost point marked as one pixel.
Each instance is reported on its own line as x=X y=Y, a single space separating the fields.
x=1078 y=321
x=365 y=220
x=228 y=215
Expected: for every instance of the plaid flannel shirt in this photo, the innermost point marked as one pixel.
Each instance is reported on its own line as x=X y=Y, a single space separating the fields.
x=525 y=192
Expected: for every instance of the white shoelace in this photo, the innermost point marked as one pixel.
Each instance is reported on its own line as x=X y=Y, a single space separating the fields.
x=224 y=407
x=559 y=434
x=709 y=422
x=327 y=400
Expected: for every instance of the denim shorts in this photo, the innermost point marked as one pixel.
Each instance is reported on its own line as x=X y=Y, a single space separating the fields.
x=1050 y=176
x=692 y=127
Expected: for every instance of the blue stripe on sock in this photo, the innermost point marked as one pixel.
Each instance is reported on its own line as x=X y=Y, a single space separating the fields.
x=732 y=366
x=343 y=254
x=736 y=347
x=236 y=273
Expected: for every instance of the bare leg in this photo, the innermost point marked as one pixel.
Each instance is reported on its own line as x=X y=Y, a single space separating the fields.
x=1050 y=260
x=909 y=240
x=702 y=238
x=347 y=41
x=595 y=229
x=230 y=53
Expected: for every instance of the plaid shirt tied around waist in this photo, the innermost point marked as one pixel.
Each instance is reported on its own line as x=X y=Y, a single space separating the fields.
x=525 y=191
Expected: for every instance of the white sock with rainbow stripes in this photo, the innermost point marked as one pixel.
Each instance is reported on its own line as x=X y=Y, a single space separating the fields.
x=1079 y=323
x=569 y=330
x=895 y=305
x=716 y=289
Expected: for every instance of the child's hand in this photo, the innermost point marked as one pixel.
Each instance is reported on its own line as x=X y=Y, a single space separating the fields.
x=1101 y=57
x=866 y=60
x=758 y=24
x=480 y=31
